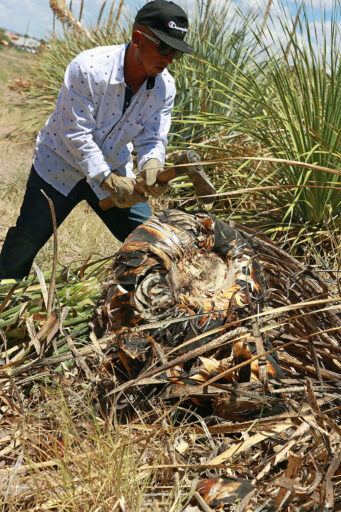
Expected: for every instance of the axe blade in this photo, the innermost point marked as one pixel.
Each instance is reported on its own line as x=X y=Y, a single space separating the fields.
x=201 y=183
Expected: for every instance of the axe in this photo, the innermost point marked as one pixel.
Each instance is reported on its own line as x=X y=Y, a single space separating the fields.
x=193 y=169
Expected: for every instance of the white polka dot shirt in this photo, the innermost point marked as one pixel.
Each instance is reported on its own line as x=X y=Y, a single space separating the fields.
x=96 y=124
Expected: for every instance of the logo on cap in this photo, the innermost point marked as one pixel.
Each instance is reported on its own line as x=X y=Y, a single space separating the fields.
x=172 y=24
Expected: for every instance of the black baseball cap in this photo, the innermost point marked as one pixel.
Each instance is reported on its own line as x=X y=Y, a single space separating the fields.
x=166 y=20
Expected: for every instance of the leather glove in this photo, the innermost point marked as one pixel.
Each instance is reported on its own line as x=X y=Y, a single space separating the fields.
x=122 y=191
x=148 y=173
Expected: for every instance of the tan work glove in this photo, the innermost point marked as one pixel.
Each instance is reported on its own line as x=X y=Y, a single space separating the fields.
x=122 y=191
x=148 y=173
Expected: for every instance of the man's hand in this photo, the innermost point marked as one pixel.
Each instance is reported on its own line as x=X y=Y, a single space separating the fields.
x=149 y=173
x=122 y=191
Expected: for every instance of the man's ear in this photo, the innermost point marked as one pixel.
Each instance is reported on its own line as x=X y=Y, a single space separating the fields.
x=136 y=37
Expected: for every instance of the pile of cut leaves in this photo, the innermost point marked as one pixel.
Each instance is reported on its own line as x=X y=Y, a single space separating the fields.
x=211 y=327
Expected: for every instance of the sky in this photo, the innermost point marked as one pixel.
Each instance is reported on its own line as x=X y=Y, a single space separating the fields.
x=35 y=16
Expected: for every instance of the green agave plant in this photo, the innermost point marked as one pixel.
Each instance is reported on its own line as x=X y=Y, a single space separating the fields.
x=77 y=291
x=287 y=99
x=223 y=44
x=301 y=117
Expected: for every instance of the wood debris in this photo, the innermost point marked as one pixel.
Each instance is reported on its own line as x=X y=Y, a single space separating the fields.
x=218 y=338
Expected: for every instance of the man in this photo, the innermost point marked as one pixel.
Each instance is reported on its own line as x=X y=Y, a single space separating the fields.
x=111 y=96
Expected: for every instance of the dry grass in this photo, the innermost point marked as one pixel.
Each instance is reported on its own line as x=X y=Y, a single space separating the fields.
x=83 y=233
x=77 y=435
x=14 y=158
x=66 y=17
x=68 y=458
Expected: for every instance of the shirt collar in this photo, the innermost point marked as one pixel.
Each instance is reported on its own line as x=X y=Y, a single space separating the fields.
x=150 y=82
x=117 y=75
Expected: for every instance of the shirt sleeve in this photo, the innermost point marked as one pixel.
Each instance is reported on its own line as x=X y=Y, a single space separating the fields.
x=76 y=126
x=151 y=142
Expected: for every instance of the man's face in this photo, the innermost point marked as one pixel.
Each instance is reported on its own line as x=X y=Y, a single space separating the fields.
x=147 y=53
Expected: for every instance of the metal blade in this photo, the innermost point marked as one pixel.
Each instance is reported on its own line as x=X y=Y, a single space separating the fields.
x=201 y=183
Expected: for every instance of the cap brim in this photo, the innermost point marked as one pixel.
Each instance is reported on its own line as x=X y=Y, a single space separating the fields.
x=178 y=44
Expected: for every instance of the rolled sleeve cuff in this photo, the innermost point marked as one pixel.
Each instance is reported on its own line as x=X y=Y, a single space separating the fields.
x=154 y=153
x=95 y=169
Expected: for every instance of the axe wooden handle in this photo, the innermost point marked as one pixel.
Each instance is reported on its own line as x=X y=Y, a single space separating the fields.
x=163 y=177
x=187 y=163
x=106 y=203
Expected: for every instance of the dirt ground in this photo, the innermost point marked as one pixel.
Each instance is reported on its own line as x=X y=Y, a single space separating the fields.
x=15 y=157
x=82 y=234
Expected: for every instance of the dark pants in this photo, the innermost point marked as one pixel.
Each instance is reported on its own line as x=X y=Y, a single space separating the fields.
x=34 y=224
